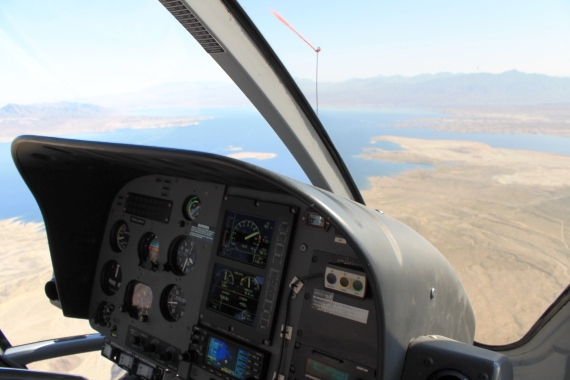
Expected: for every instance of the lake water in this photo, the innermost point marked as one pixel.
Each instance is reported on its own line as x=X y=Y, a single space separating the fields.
x=350 y=130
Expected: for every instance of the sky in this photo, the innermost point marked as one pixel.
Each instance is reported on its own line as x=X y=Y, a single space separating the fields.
x=67 y=49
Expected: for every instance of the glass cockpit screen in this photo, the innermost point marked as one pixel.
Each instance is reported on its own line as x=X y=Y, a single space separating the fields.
x=247 y=238
x=227 y=358
x=235 y=293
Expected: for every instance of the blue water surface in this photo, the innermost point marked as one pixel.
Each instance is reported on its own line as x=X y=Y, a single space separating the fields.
x=351 y=130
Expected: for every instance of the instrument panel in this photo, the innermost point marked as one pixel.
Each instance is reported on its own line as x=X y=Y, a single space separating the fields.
x=193 y=279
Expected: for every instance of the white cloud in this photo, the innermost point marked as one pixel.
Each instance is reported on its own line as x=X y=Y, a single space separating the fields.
x=233 y=148
x=252 y=155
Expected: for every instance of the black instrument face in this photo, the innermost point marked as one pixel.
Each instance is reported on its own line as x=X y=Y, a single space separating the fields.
x=149 y=249
x=182 y=255
x=191 y=207
x=111 y=277
x=120 y=236
x=173 y=303
x=235 y=293
x=247 y=238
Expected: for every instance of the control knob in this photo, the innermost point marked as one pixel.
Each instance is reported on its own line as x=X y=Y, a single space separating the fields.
x=136 y=340
x=152 y=348
x=168 y=356
x=188 y=356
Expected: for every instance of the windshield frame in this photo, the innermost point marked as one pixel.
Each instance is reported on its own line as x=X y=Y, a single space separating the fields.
x=252 y=64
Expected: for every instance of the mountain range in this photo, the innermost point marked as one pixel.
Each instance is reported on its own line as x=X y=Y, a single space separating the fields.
x=512 y=88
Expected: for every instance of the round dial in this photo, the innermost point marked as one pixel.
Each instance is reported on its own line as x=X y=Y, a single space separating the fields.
x=120 y=236
x=111 y=278
x=149 y=249
x=191 y=207
x=182 y=255
x=249 y=283
x=225 y=276
x=246 y=237
x=173 y=303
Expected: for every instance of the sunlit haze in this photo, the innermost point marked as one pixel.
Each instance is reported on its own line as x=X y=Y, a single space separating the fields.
x=68 y=50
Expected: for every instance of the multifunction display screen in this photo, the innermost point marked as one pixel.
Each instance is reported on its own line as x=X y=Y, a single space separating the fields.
x=323 y=371
x=235 y=293
x=247 y=238
x=227 y=358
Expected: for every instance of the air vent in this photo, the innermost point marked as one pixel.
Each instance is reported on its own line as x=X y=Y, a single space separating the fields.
x=193 y=26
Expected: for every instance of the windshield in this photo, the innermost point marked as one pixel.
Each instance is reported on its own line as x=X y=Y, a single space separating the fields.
x=453 y=117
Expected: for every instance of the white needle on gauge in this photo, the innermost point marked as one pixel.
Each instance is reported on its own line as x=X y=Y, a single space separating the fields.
x=185 y=263
x=252 y=235
x=173 y=302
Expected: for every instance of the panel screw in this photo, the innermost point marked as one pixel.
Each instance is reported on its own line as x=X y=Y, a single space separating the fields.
x=231 y=329
x=225 y=198
x=266 y=342
x=432 y=293
x=303 y=248
x=257 y=203
x=307 y=296
x=428 y=361
x=293 y=210
x=315 y=259
x=483 y=376
x=297 y=345
x=292 y=369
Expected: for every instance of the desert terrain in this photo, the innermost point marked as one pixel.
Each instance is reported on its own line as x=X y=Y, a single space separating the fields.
x=501 y=217
x=63 y=118
x=26 y=314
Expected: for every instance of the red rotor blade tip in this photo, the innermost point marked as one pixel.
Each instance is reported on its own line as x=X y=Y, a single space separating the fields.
x=280 y=18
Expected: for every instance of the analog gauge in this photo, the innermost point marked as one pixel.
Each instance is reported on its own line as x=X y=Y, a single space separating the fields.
x=149 y=248
x=191 y=207
x=225 y=276
x=182 y=255
x=172 y=303
x=249 y=282
x=120 y=236
x=246 y=237
x=141 y=301
x=111 y=278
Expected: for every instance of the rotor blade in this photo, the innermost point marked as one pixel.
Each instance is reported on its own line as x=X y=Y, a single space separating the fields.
x=280 y=18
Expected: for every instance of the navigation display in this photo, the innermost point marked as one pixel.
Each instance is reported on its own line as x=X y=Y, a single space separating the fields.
x=235 y=293
x=247 y=238
x=227 y=358
x=323 y=371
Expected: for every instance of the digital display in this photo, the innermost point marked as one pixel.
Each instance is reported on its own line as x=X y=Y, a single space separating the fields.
x=126 y=360
x=323 y=371
x=227 y=358
x=145 y=371
x=235 y=293
x=247 y=238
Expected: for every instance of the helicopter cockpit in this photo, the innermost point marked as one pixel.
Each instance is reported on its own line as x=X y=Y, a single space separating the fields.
x=191 y=265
